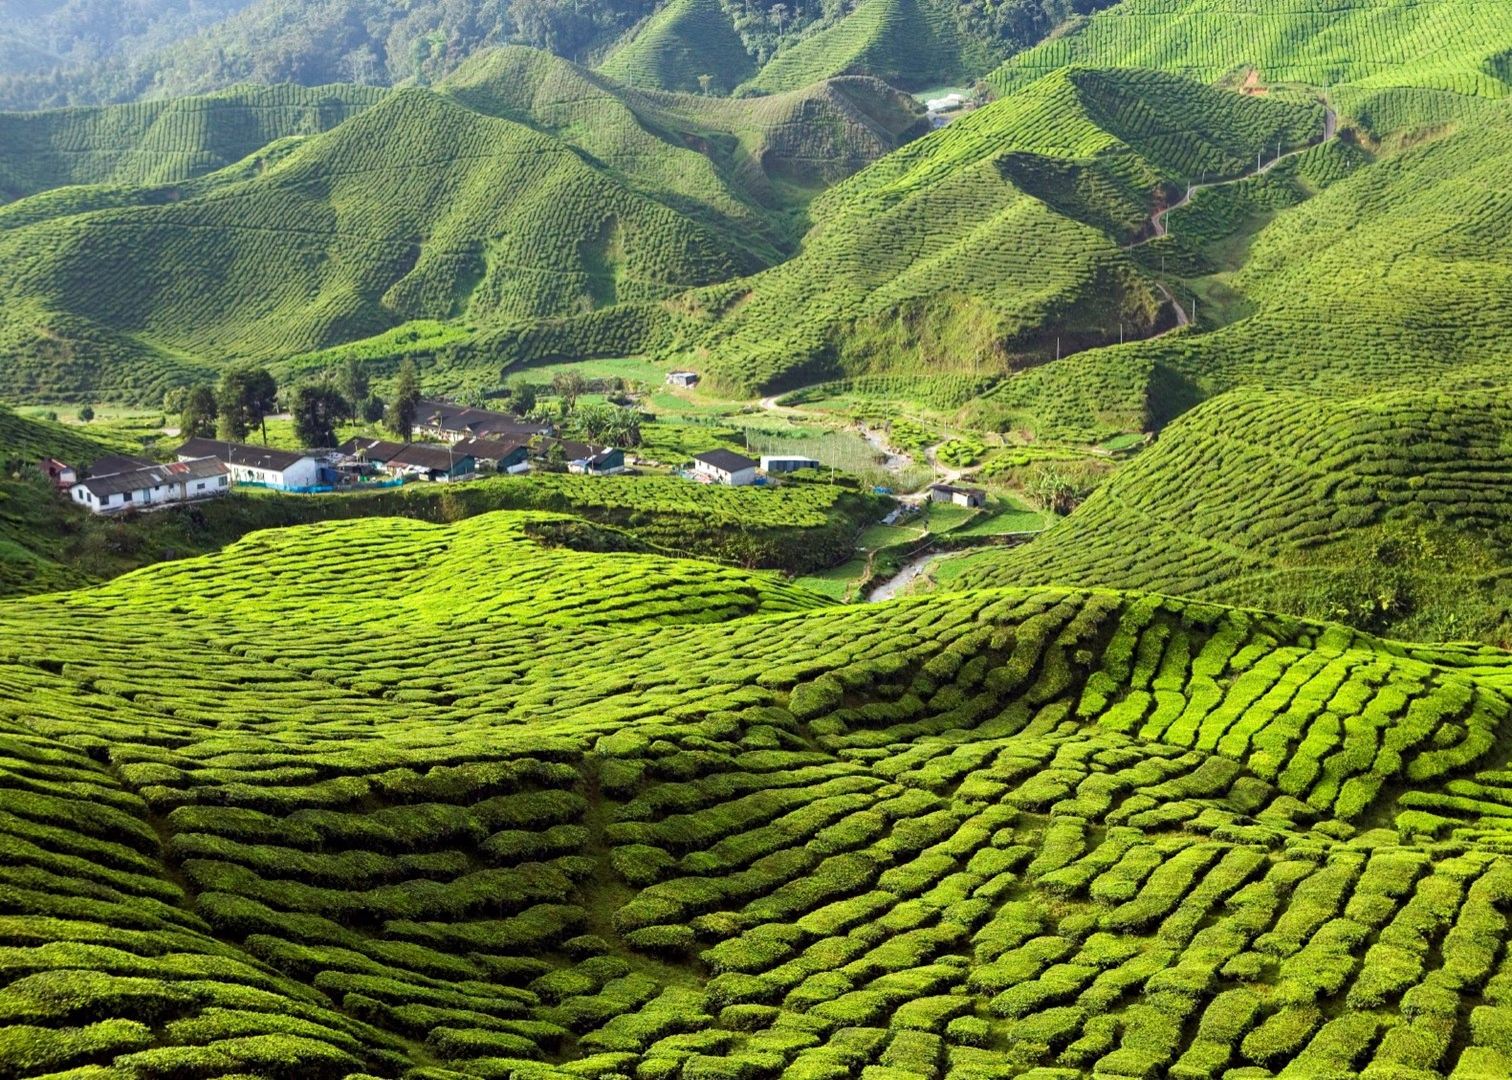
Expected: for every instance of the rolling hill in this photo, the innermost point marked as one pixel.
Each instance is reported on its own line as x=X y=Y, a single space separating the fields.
x=1392 y=273
x=162 y=142
x=525 y=189
x=394 y=831
x=1360 y=49
x=978 y=247
x=1388 y=511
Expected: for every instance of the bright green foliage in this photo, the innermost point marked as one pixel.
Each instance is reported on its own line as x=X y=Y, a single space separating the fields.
x=1456 y=47
x=911 y=252
x=488 y=566
x=685 y=40
x=1389 y=511
x=163 y=142
x=531 y=817
x=910 y=42
x=508 y=215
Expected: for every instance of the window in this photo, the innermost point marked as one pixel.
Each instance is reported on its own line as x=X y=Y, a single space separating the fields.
x=221 y=481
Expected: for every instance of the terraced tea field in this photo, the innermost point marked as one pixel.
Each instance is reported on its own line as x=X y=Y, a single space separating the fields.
x=1388 y=511
x=414 y=825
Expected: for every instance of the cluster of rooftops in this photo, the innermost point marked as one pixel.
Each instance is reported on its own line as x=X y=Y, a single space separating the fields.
x=463 y=439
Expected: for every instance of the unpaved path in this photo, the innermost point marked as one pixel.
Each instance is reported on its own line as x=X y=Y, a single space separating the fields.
x=1158 y=226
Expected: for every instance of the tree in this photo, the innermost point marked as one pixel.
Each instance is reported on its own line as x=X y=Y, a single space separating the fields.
x=175 y=400
x=705 y=82
x=244 y=398
x=372 y=408
x=400 y=416
x=569 y=386
x=197 y=419
x=522 y=397
x=354 y=382
x=556 y=457
x=86 y=414
x=317 y=408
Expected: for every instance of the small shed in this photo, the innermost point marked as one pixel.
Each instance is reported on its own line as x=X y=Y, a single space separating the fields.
x=724 y=467
x=62 y=475
x=960 y=496
x=685 y=379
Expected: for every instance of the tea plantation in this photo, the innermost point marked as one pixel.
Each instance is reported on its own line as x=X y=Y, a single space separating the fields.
x=396 y=800
x=1389 y=511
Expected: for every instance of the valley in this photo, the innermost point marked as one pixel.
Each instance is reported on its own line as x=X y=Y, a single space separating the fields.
x=634 y=540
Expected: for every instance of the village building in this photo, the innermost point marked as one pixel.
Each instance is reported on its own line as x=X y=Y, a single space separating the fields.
x=448 y=422
x=500 y=455
x=442 y=464
x=367 y=451
x=604 y=462
x=117 y=463
x=62 y=476
x=960 y=496
x=724 y=467
x=281 y=470
x=153 y=485
x=775 y=464
x=684 y=379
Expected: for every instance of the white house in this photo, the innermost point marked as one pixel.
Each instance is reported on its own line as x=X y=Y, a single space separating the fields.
x=282 y=470
x=724 y=467
x=155 y=485
x=685 y=379
x=785 y=463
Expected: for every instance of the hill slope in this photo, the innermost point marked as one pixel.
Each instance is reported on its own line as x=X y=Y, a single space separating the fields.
x=978 y=247
x=1390 y=511
x=162 y=142
x=685 y=42
x=1445 y=48
x=538 y=191
x=1396 y=274
x=1085 y=832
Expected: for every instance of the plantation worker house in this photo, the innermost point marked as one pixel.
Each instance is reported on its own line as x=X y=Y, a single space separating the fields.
x=281 y=470
x=154 y=485
x=604 y=462
x=497 y=454
x=959 y=496
x=444 y=421
x=363 y=451
x=776 y=464
x=441 y=464
x=724 y=467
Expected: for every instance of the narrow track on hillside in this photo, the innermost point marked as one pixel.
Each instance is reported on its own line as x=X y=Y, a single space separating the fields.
x=1158 y=227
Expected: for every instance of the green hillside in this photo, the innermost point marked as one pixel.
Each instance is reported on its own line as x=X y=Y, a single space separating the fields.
x=539 y=190
x=162 y=142
x=914 y=43
x=1389 y=511
x=259 y=827
x=976 y=248
x=1444 y=48
x=30 y=513
x=1394 y=275
x=685 y=42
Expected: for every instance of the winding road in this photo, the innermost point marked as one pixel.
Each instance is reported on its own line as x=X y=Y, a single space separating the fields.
x=1159 y=229
x=1158 y=226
